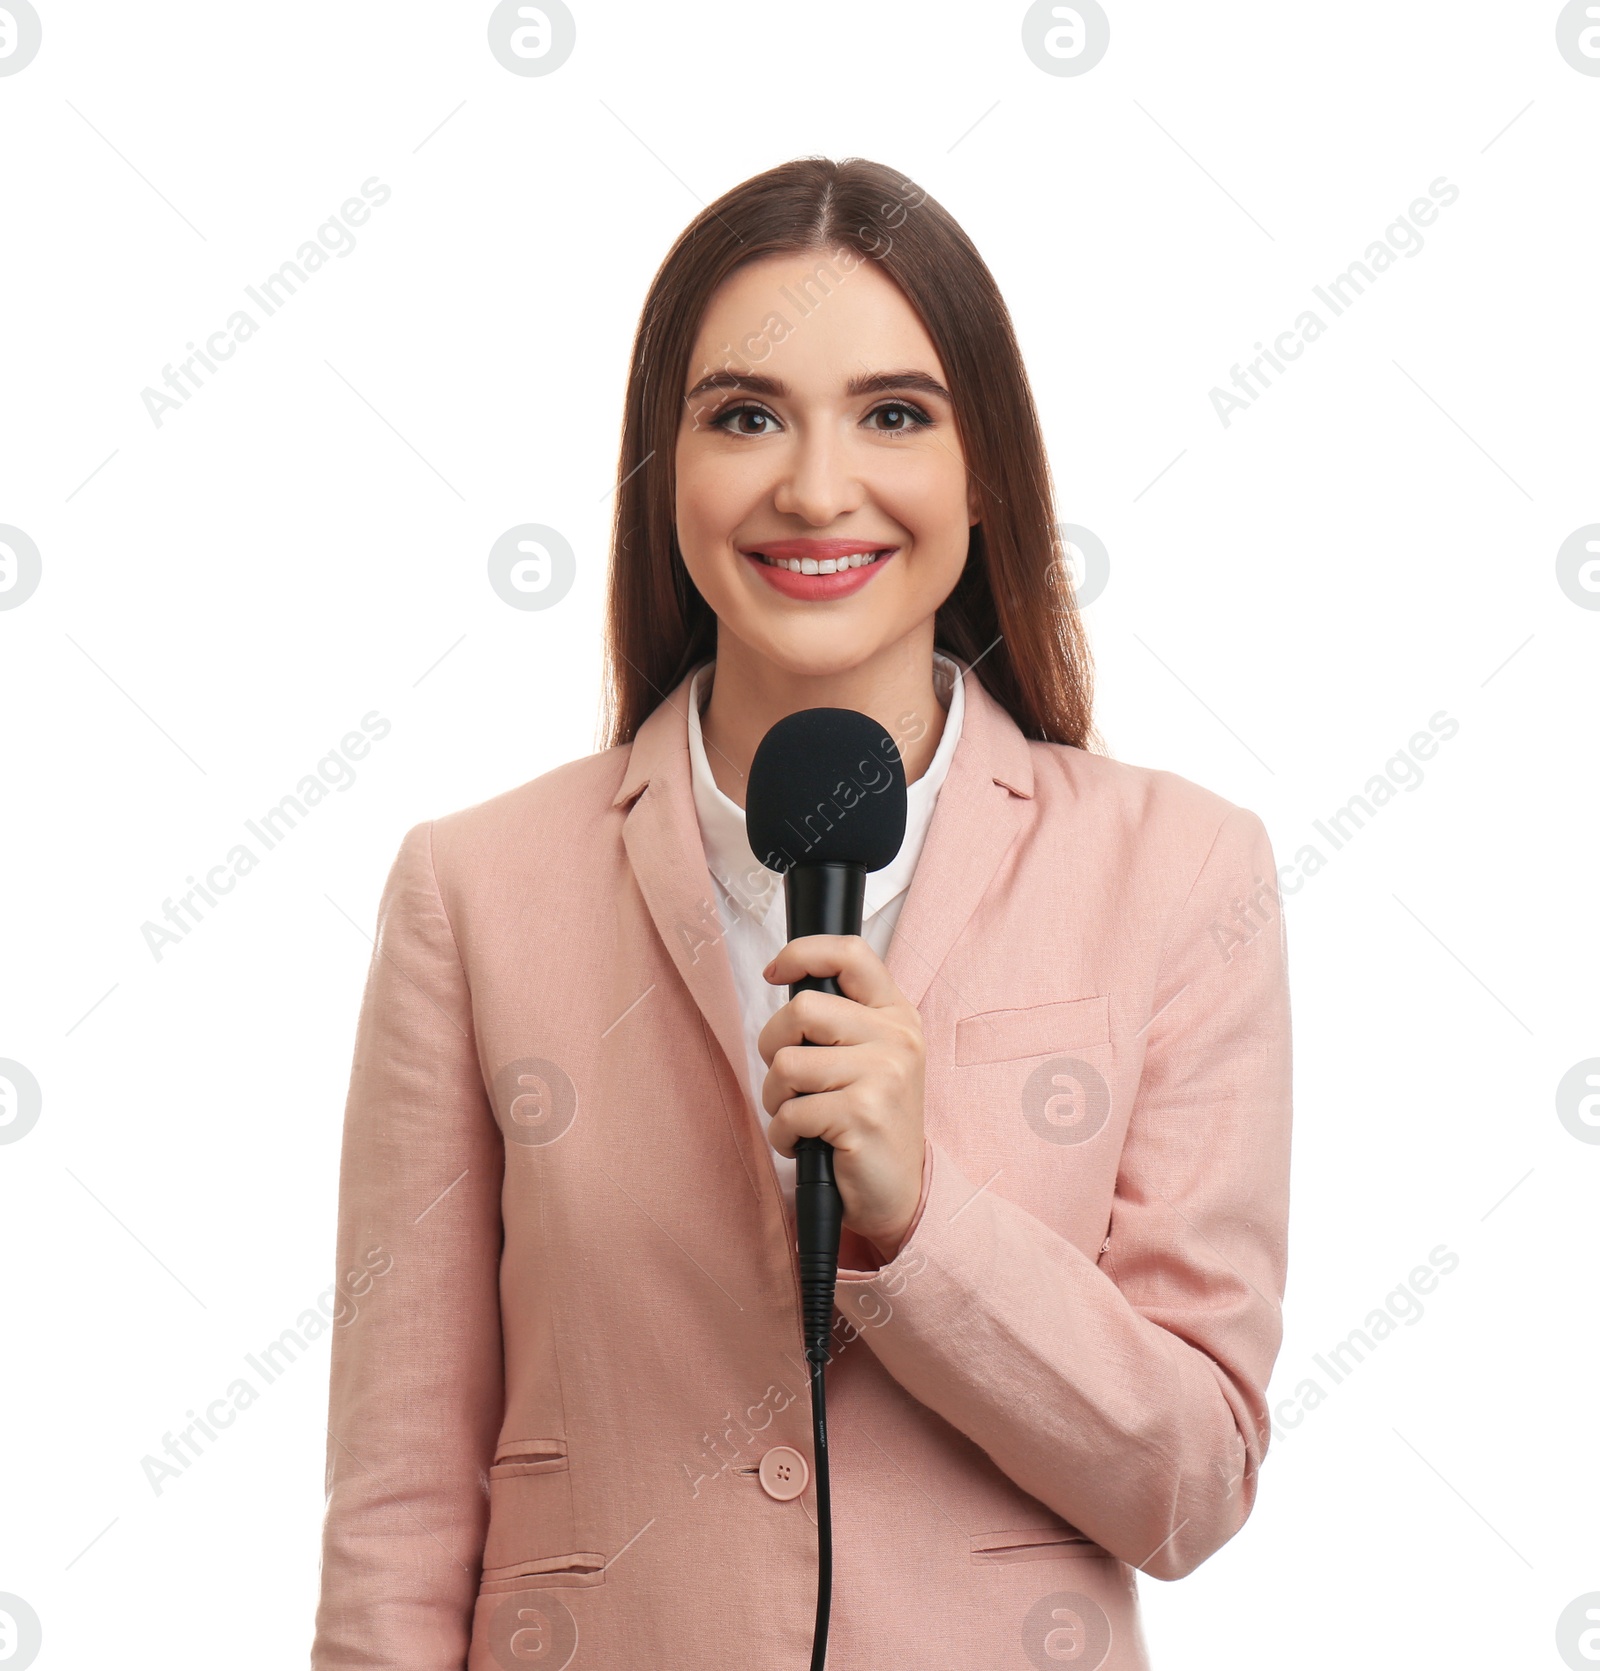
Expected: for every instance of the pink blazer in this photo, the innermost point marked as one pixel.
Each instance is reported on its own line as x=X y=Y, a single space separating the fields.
x=569 y=1417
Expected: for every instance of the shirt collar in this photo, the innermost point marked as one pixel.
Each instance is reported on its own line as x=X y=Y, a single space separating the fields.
x=753 y=888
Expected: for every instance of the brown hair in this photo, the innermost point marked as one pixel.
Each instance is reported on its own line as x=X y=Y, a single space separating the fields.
x=1012 y=617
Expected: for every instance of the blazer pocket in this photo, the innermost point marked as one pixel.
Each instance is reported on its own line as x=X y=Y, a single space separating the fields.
x=1031 y=1543
x=529 y=1456
x=1037 y=1030
x=532 y=1527
x=563 y=1572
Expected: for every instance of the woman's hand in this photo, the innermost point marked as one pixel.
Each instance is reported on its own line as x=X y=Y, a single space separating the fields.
x=857 y=1085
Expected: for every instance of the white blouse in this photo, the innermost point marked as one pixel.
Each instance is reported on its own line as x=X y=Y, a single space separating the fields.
x=750 y=897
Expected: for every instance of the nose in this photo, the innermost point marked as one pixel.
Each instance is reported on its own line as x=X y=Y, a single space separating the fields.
x=820 y=483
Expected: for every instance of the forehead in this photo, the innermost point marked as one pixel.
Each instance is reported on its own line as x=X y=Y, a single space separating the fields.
x=813 y=318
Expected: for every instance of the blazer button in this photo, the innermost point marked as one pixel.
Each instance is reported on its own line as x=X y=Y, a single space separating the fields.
x=783 y=1473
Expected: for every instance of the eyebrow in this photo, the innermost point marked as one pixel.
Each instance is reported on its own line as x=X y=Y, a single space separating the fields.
x=874 y=382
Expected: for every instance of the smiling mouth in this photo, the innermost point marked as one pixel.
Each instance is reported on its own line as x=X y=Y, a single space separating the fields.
x=825 y=565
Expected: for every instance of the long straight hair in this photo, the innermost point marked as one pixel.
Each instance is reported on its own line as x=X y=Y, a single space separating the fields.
x=1012 y=618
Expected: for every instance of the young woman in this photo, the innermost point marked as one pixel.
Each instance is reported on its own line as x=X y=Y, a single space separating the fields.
x=570 y=1425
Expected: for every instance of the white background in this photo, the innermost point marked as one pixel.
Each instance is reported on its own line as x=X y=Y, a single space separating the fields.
x=1290 y=598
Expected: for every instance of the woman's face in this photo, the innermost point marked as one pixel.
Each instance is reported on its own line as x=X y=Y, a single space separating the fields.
x=822 y=441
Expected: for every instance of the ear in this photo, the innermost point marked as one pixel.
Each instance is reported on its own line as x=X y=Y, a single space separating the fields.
x=972 y=503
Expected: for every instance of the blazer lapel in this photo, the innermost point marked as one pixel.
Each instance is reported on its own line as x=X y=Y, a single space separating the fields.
x=662 y=836
x=975 y=820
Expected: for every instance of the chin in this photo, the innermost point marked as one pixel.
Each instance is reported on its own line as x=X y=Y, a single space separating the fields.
x=821 y=649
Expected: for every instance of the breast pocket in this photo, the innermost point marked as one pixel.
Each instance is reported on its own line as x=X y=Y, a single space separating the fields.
x=1037 y=1030
x=1051 y=1064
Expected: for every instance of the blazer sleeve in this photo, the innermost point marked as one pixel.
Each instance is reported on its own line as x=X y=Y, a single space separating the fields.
x=1128 y=1393
x=416 y=1389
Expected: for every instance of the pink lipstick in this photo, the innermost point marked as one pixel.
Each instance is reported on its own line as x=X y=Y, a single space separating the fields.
x=818 y=571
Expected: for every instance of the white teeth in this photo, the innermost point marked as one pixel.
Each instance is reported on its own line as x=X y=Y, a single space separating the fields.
x=828 y=565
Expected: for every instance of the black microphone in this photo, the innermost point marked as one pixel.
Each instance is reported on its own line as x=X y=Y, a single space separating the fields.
x=824 y=804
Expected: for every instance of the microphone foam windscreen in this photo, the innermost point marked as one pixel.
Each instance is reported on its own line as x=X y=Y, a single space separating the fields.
x=827 y=786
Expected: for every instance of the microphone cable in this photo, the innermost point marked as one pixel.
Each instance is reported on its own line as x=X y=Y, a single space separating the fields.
x=819 y=1217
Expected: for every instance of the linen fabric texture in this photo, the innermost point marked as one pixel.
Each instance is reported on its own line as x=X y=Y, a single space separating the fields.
x=547 y=1418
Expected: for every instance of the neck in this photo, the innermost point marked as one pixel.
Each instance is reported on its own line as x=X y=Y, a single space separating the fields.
x=750 y=694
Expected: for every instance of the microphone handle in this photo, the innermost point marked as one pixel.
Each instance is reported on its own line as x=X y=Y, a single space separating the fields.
x=819 y=899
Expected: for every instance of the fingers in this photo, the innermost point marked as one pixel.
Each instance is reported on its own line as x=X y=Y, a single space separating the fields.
x=858 y=1017
x=847 y=957
x=802 y=1070
x=840 y=1066
x=824 y=1114
x=822 y=1018
x=852 y=1088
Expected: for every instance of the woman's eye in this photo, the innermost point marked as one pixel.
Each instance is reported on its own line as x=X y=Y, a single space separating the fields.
x=900 y=417
x=744 y=420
